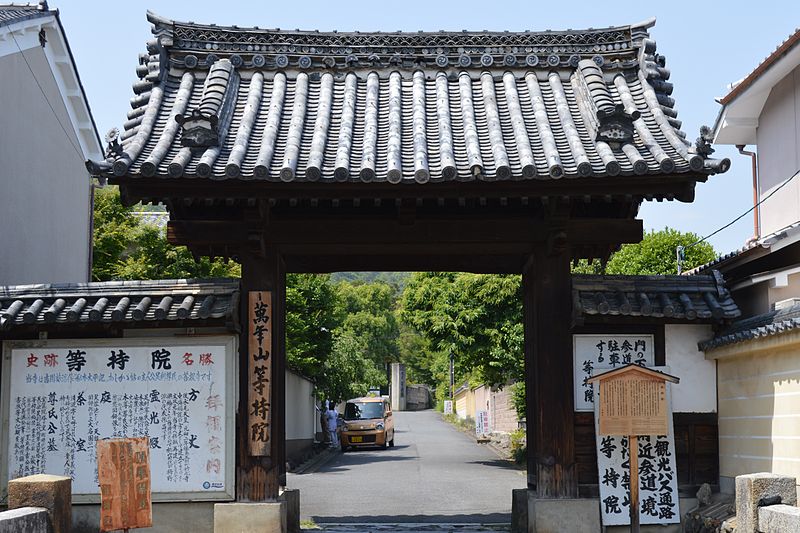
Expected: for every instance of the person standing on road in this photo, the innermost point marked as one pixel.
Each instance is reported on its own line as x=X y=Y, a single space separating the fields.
x=331 y=418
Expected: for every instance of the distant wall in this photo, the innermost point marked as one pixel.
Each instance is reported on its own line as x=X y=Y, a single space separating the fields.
x=45 y=187
x=779 y=154
x=417 y=397
x=463 y=402
x=502 y=415
x=301 y=415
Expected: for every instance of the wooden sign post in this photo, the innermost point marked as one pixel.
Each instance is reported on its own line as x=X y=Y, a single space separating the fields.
x=259 y=371
x=123 y=469
x=633 y=402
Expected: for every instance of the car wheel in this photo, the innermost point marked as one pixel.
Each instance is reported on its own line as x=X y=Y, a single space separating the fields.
x=344 y=449
x=391 y=442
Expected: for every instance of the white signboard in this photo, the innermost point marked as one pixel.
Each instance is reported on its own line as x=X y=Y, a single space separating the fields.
x=591 y=352
x=62 y=396
x=448 y=407
x=482 y=423
x=658 y=476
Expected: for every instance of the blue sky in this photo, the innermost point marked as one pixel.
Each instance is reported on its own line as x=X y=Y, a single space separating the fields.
x=708 y=44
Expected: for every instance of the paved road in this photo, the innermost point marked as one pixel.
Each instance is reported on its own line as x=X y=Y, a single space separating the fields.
x=434 y=473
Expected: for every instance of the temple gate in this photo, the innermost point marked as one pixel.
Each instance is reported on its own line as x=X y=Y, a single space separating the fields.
x=303 y=151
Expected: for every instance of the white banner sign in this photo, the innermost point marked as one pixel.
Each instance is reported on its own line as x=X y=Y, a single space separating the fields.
x=482 y=423
x=658 y=476
x=591 y=352
x=64 y=396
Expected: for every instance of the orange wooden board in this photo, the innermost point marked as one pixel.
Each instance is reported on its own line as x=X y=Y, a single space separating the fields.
x=259 y=372
x=633 y=404
x=123 y=467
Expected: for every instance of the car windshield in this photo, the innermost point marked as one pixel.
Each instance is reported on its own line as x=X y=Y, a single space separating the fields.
x=363 y=410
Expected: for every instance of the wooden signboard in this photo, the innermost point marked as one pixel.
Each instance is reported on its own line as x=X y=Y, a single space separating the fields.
x=633 y=402
x=123 y=468
x=259 y=371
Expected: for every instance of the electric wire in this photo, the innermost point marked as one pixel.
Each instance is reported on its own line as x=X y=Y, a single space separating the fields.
x=52 y=109
x=680 y=249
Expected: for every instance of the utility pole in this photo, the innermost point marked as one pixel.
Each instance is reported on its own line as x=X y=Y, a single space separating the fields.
x=452 y=375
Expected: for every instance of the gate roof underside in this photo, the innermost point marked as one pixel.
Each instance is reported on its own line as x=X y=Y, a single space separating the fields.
x=227 y=103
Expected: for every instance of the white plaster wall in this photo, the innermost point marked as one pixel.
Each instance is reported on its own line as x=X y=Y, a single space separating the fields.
x=300 y=411
x=44 y=187
x=697 y=391
x=779 y=154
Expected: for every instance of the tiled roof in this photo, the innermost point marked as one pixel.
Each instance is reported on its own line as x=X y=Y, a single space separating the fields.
x=282 y=105
x=118 y=302
x=779 y=52
x=764 y=242
x=11 y=13
x=765 y=325
x=701 y=297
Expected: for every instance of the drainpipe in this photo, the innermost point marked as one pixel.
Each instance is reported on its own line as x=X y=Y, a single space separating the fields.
x=757 y=210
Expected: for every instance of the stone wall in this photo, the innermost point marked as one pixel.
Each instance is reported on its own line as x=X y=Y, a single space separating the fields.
x=27 y=519
x=503 y=415
x=418 y=397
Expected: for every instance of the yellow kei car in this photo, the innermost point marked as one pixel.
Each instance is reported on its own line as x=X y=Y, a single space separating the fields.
x=367 y=422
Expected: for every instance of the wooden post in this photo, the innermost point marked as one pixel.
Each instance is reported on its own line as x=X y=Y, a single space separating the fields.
x=259 y=477
x=547 y=298
x=633 y=447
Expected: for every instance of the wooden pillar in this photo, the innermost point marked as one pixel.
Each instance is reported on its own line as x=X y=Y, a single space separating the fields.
x=259 y=477
x=547 y=296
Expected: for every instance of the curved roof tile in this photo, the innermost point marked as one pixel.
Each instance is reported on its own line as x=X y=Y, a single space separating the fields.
x=401 y=107
x=118 y=302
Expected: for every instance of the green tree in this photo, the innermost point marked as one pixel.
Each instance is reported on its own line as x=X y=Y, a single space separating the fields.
x=125 y=248
x=311 y=319
x=113 y=233
x=476 y=317
x=349 y=371
x=369 y=316
x=416 y=354
x=655 y=254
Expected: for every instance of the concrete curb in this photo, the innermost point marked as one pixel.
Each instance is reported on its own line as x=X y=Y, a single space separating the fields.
x=311 y=466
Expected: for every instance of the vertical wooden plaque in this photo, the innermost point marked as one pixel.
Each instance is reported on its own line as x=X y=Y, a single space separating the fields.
x=123 y=467
x=259 y=371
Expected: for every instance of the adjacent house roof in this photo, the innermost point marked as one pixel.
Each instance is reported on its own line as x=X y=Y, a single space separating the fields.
x=120 y=302
x=775 y=322
x=673 y=298
x=741 y=107
x=10 y=13
x=756 y=248
x=33 y=26
x=254 y=104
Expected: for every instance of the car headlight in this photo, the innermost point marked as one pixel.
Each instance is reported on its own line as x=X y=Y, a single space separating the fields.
x=379 y=425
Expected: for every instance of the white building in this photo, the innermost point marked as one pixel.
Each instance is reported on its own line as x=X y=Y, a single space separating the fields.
x=46 y=134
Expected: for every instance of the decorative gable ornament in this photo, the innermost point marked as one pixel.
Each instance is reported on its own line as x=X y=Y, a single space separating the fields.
x=198 y=129
x=616 y=126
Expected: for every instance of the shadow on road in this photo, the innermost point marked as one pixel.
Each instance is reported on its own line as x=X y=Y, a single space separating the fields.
x=496 y=463
x=354 y=459
x=489 y=518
